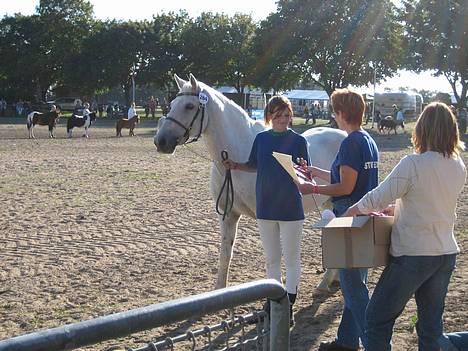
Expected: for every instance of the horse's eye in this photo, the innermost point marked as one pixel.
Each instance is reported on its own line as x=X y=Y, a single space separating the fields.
x=189 y=106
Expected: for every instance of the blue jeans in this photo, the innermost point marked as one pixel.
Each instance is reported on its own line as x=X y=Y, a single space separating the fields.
x=454 y=342
x=353 y=283
x=427 y=277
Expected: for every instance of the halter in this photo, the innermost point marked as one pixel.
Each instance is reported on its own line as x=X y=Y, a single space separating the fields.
x=201 y=107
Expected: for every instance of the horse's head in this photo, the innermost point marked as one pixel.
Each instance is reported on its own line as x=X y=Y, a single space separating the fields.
x=186 y=118
x=92 y=116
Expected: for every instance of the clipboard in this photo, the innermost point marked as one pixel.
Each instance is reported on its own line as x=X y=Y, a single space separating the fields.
x=295 y=171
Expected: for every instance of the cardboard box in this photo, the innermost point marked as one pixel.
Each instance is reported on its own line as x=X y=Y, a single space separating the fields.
x=355 y=242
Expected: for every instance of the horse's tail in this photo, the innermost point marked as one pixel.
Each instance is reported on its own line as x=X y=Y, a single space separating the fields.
x=29 y=120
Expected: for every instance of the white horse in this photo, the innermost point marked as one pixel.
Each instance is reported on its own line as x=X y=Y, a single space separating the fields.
x=199 y=110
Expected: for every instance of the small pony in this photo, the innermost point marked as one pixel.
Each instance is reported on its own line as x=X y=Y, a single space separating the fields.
x=43 y=119
x=390 y=124
x=127 y=123
x=80 y=121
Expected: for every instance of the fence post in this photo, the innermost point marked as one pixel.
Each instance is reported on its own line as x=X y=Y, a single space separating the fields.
x=279 y=324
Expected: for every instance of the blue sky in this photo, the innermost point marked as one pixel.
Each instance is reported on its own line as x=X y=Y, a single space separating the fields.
x=259 y=9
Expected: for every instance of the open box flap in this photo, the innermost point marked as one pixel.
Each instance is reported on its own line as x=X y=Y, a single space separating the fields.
x=342 y=222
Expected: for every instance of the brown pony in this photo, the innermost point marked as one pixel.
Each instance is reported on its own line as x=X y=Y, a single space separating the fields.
x=127 y=123
x=43 y=119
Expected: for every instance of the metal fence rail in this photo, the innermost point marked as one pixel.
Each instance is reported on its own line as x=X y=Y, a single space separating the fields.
x=121 y=324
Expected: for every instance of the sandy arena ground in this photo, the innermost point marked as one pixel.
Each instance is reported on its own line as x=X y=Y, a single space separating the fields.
x=95 y=226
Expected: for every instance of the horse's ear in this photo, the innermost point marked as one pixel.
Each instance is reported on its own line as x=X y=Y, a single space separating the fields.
x=193 y=82
x=179 y=81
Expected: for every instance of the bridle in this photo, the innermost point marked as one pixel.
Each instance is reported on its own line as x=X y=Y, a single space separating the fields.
x=201 y=107
x=227 y=184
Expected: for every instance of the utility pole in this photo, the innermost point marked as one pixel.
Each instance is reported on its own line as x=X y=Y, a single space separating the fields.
x=373 y=102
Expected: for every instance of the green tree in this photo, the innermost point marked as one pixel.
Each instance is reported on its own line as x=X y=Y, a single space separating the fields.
x=241 y=58
x=162 y=50
x=334 y=43
x=205 y=47
x=64 y=26
x=437 y=32
x=109 y=58
x=21 y=58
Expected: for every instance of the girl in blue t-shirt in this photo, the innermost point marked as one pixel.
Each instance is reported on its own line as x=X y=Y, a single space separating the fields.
x=353 y=173
x=279 y=211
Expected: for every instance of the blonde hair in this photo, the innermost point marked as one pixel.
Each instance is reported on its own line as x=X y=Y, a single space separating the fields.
x=350 y=103
x=276 y=103
x=436 y=130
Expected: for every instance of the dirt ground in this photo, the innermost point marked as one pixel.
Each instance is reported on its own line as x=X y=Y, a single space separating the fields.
x=94 y=226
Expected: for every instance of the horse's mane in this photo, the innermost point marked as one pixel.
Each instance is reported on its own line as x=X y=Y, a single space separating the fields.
x=225 y=104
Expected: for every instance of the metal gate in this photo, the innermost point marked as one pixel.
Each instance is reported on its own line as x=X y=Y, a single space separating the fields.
x=121 y=324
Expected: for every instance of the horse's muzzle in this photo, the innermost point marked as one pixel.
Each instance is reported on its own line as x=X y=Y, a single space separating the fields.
x=165 y=145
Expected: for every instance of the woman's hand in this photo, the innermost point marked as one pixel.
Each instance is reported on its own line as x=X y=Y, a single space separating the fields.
x=352 y=211
x=390 y=210
x=308 y=170
x=307 y=187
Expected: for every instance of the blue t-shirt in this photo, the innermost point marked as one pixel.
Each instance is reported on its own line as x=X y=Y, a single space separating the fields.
x=358 y=151
x=278 y=197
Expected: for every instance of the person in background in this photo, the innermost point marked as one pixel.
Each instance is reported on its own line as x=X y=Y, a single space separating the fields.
x=353 y=173
x=400 y=118
x=423 y=248
x=132 y=112
x=100 y=110
x=279 y=211
x=395 y=112
x=86 y=110
x=306 y=114
x=110 y=111
x=152 y=106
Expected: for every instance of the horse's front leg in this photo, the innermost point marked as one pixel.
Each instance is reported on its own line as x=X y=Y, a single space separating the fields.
x=51 y=132
x=228 y=237
x=85 y=135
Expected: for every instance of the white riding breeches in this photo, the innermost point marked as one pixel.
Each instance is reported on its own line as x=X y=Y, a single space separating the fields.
x=282 y=236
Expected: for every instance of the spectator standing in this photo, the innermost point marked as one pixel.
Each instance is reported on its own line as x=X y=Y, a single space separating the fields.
x=306 y=114
x=147 y=110
x=3 y=107
x=152 y=106
x=423 y=248
x=100 y=110
x=110 y=111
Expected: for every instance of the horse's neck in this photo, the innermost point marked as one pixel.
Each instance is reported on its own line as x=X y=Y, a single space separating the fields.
x=229 y=129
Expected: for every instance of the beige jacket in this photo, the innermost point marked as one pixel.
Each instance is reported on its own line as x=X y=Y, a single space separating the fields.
x=426 y=187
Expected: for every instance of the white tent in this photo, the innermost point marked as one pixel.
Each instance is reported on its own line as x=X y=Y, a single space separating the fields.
x=314 y=95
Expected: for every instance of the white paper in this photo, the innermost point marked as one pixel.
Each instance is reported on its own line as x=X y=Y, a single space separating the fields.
x=285 y=161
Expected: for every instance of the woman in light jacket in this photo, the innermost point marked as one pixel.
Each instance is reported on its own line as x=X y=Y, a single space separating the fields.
x=426 y=186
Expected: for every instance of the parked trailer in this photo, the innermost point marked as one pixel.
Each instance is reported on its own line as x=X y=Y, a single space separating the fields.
x=411 y=103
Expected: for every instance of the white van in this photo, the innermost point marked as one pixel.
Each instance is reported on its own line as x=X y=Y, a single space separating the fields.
x=66 y=103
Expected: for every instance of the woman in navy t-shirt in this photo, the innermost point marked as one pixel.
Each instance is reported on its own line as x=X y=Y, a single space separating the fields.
x=279 y=211
x=353 y=173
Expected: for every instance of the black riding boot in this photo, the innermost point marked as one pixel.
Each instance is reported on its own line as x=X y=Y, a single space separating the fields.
x=292 y=300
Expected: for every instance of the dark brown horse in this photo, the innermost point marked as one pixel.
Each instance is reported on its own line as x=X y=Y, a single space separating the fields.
x=43 y=119
x=127 y=123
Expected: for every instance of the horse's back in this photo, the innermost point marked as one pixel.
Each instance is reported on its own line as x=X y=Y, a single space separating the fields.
x=324 y=144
